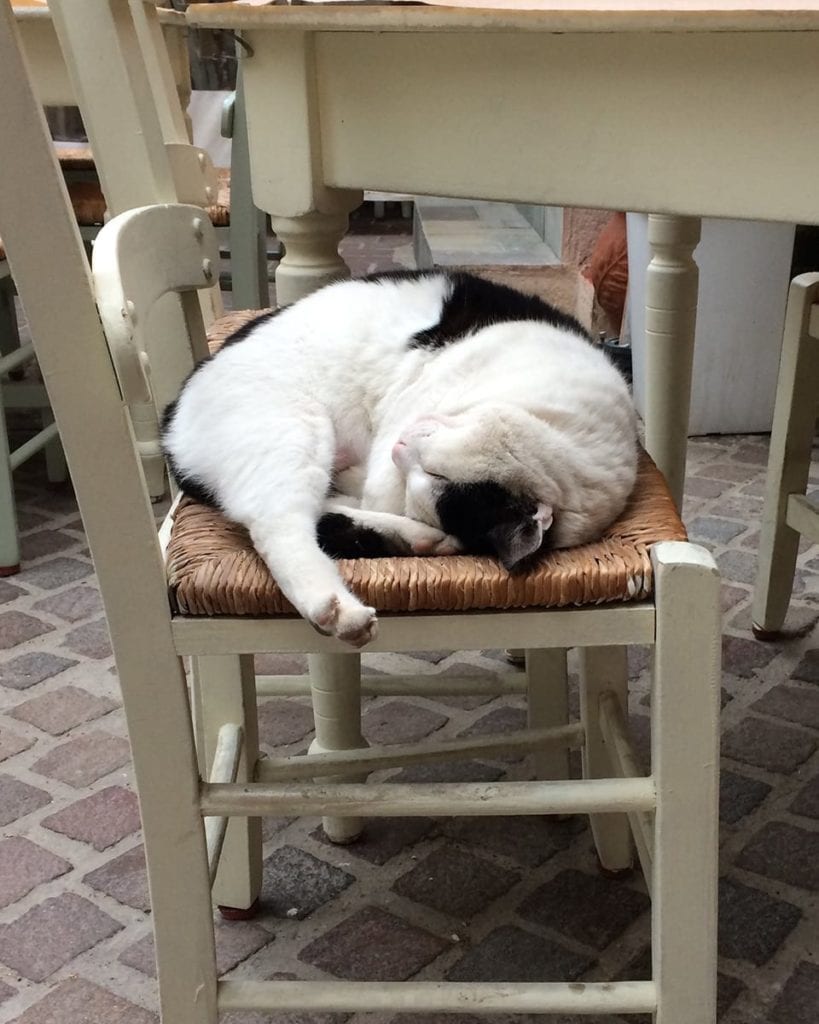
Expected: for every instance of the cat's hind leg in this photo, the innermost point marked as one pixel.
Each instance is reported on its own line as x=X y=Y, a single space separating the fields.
x=278 y=494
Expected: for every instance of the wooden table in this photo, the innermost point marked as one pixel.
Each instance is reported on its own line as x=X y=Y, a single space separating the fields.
x=681 y=109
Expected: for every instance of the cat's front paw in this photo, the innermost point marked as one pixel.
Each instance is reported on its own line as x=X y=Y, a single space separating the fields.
x=347 y=619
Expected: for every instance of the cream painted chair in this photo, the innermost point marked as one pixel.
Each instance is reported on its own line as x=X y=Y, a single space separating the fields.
x=192 y=815
x=789 y=514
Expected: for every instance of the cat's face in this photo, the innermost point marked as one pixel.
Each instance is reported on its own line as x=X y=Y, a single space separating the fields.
x=460 y=476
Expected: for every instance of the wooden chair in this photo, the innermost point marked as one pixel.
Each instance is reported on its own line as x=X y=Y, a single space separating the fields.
x=789 y=514
x=653 y=588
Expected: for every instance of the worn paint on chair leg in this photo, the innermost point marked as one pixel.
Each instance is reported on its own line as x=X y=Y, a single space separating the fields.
x=685 y=766
x=548 y=706
x=671 y=314
x=789 y=459
x=311 y=257
x=604 y=670
x=226 y=692
x=335 y=686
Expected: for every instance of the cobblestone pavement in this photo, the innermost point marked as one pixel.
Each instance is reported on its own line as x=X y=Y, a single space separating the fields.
x=506 y=899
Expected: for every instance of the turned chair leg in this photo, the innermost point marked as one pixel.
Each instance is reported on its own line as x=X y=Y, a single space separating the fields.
x=335 y=687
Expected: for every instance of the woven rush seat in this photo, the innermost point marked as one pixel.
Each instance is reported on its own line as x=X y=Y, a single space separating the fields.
x=213 y=568
x=75 y=156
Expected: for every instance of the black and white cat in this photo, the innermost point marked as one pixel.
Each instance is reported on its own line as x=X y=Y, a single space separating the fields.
x=425 y=413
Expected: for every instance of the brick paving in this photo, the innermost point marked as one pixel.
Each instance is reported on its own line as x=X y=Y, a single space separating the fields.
x=514 y=899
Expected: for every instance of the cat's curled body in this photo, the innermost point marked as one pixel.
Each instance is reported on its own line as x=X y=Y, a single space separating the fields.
x=450 y=413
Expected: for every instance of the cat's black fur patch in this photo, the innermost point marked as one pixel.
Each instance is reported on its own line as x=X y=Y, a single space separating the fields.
x=475 y=303
x=475 y=513
x=342 y=537
x=248 y=328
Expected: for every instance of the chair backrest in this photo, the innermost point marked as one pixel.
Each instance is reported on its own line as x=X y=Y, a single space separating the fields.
x=139 y=257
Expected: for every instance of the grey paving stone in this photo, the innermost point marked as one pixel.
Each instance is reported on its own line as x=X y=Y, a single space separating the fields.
x=84 y=759
x=796 y=705
x=102 y=819
x=502 y=719
x=235 y=942
x=730 y=471
x=452 y=771
x=587 y=908
x=73 y=605
x=751 y=452
x=295 y=883
x=78 y=1001
x=784 y=852
x=718 y=530
x=455 y=882
x=808 y=668
x=800 y=998
x=24 y=865
x=53 y=933
x=18 y=798
x=59 y=711
x=701 y=487
x=57 y=572
x=383 y=838
x=44 y=542
x=743 y=657
x=806 y=801
x=739 y=795
x=730 y=596
x=528 y=840
x=28 y=669
x=91 y=640
x=737 y=566
x=284 y=721
x=400 y=721
x=10 y=592
x=12 y=743
x=373 y=945
x=777 y=748
x=752 y=924
x=512 y=954
x=125 y=878
x=17 y=627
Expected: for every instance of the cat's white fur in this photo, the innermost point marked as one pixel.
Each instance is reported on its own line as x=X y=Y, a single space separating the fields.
x=329 y=392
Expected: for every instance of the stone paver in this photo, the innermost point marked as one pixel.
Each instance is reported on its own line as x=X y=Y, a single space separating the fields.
x=480 y=898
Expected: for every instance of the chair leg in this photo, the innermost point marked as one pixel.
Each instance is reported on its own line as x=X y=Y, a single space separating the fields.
x=335 y=687
x=604 y=670
x=9 y=540
x=685 y=768
x=547 y=706
x=225 y=691
x=788 y=461
x=56 y=468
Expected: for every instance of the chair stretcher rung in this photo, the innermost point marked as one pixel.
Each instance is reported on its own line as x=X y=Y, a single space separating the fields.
x=438 y=997
x=429 y=685
x=584 y=796
x=353 y=762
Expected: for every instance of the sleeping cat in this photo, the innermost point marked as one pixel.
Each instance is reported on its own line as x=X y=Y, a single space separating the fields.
x=417 y=413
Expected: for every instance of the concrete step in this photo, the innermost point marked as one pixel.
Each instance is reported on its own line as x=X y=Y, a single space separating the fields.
x=459 y=232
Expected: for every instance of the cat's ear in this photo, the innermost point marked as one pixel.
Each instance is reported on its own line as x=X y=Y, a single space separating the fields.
x=515 y=541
